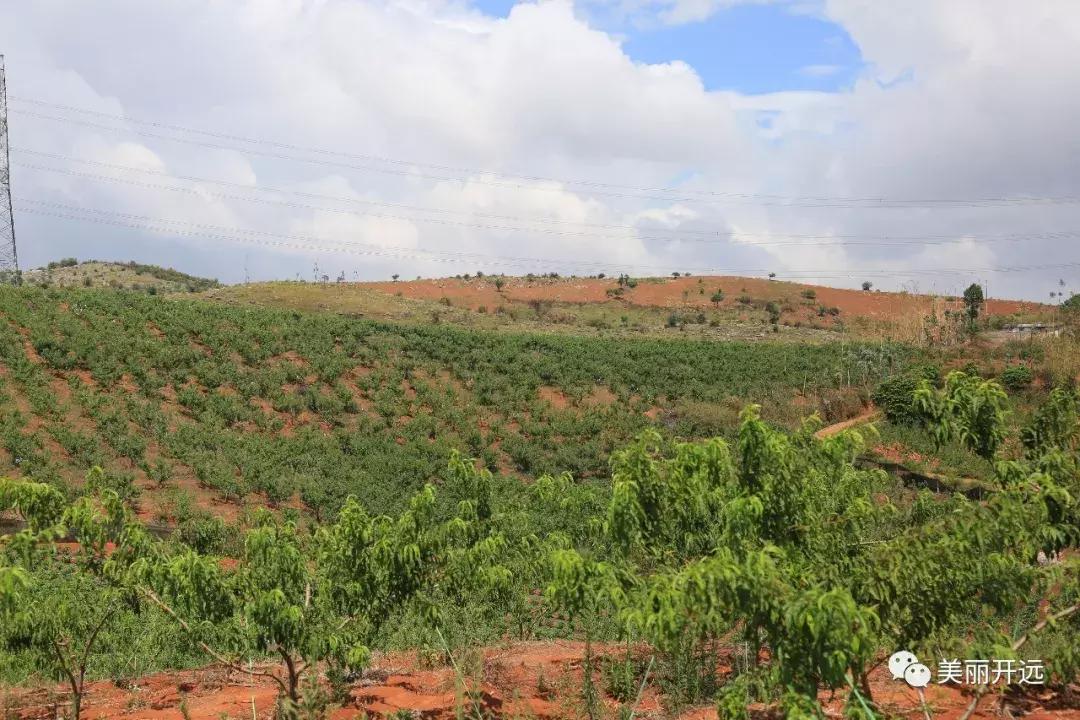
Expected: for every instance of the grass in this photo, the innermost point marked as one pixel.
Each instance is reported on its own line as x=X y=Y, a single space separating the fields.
x=915 y=448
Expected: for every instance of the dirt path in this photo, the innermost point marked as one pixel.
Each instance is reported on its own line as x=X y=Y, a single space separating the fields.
x=870 y=413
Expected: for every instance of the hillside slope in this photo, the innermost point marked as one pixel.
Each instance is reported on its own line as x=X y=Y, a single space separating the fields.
x=196 y=403
x=715 y=308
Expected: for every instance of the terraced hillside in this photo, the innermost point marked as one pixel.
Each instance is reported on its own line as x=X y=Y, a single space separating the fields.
x=188 y=403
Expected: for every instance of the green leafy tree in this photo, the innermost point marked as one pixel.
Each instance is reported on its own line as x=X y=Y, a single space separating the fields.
x=43 y=605
x=973 y=303
x=323 y=599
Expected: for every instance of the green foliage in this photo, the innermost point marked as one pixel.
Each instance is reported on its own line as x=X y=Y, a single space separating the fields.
x=770 y=537
x=896 y=399
x=1016 y=377
x=1055 y=425
x=180 y=388
x=776 y=538
x=973 y=302
x=969 y=410
x=622 y=676
x=207 y=535
x=43 y=613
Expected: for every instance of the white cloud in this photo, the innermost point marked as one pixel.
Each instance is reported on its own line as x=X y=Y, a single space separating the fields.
x=817 y=71
x=984 y=107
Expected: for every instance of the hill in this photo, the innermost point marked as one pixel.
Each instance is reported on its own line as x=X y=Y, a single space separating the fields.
x=117 y=276
x=703 y=307
x=190 y=402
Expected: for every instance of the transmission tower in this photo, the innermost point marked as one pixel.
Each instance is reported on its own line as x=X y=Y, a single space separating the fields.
x=9 y=259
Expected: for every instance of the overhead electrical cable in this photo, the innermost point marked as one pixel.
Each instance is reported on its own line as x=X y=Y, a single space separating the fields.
x=487 y=177
x=734 y=238
x=303 y=242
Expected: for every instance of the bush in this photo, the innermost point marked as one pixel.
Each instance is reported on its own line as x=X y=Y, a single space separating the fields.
x=207 y=535
x=122 y=483
x=930 y=373
x=621 y=678
x=1016 y=377
x=896 y=398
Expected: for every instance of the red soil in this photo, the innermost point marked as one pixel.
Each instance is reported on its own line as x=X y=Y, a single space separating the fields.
x=539 y=680
x=554 y=396
x=680 y=292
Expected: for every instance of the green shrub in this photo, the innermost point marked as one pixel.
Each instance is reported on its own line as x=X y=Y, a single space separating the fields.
x=1016 y=377
x=896 y=399
x=120 y=482
x=205 y=534
x=972 y=368
x=621 y=677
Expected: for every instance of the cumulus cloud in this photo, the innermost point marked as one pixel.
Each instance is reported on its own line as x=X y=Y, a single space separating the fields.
x=458 y=135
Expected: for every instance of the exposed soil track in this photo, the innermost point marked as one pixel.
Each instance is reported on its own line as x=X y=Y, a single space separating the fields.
x=523 y=680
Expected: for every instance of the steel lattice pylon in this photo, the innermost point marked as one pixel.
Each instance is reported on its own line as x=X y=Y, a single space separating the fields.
x=9 y=259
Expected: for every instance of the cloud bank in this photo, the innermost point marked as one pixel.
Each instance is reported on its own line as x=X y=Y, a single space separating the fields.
x=452 y=141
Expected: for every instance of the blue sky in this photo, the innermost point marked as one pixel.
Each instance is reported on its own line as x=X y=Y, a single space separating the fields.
x=749 y=48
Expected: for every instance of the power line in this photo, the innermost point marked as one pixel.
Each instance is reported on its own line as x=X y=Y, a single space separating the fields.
x=710 y=236
x=302 y=242
x=363 y=201
x=307 y=242
x=515 y=181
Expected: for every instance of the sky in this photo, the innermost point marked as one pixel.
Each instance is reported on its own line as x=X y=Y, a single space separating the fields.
x=921 y=145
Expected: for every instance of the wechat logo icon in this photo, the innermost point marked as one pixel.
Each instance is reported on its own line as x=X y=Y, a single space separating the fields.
x=905 y=666
x=899 y=662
